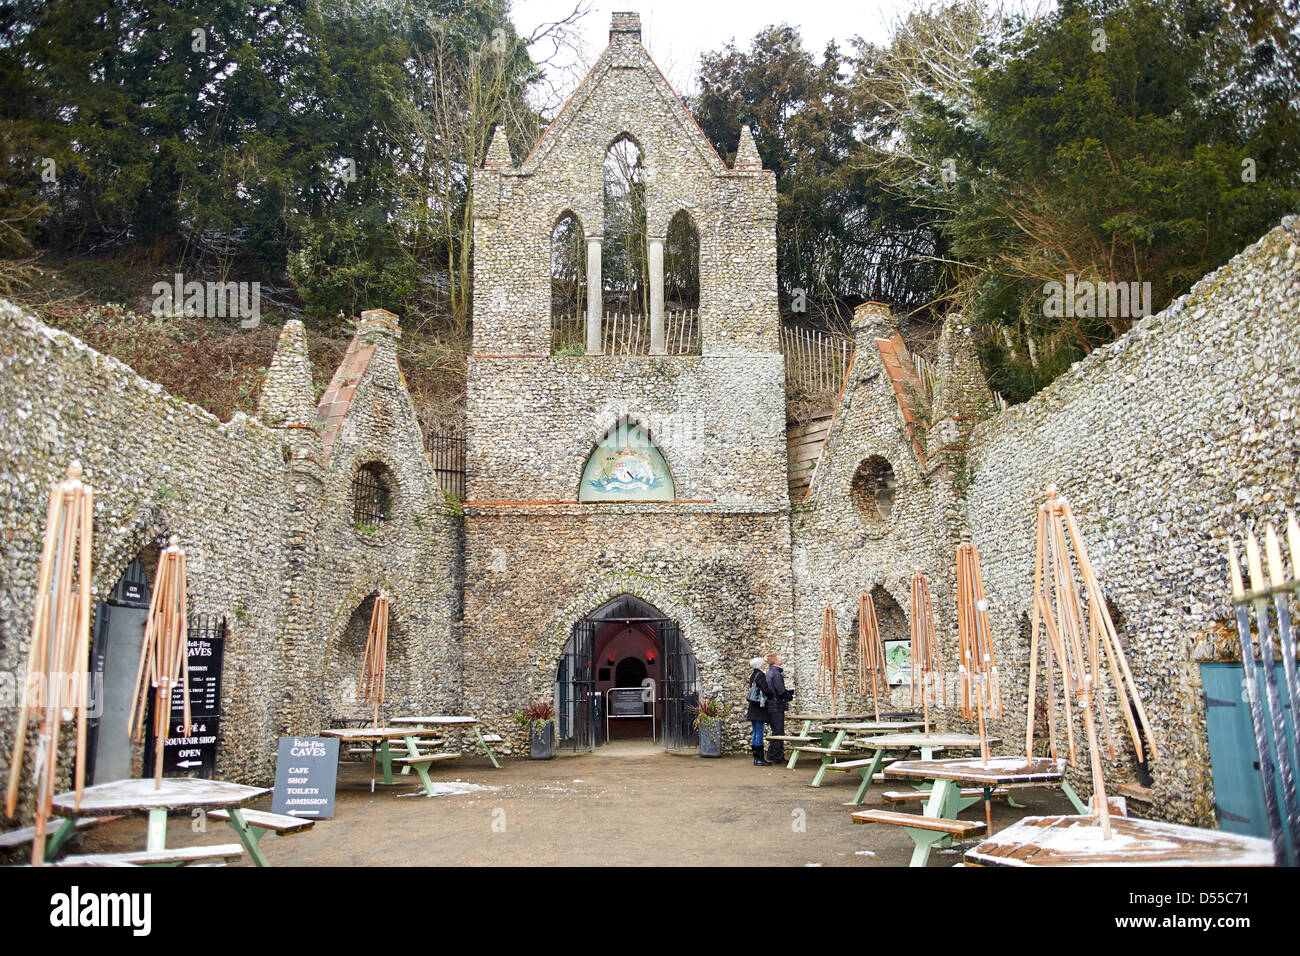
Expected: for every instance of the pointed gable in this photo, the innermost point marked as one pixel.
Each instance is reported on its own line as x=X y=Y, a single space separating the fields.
x=624 y=52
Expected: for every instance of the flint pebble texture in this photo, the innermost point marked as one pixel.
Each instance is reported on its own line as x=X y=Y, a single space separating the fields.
x=1165 y=441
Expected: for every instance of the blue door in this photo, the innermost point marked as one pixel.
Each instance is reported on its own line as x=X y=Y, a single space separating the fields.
x=1234 y=761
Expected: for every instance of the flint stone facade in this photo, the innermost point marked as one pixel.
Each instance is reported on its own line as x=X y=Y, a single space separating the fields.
x=264 y=515
x=716 y=559
x=1165 y=441
x=1181 y=431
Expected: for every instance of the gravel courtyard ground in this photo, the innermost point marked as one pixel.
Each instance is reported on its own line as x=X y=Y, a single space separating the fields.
x=627 y=804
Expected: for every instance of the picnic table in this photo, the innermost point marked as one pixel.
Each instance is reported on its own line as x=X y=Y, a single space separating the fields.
x=436 y=721
x=832 y=742
x=381 y=739
x=175 y=793
x=1076 y=841
x=868 y=767
x=938 y=823
x=835 y=727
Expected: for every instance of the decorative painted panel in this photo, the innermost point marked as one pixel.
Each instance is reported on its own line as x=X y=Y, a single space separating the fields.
x=626 y=466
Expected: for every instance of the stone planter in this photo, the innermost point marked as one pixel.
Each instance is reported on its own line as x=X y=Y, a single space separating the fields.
x=711 y=738
x=541 y=739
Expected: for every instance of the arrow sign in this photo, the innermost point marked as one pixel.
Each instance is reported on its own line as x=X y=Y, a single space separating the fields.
x=306 y=770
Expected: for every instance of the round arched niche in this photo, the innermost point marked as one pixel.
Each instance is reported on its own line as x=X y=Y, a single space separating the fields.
x=873 y=489
x=344 y=658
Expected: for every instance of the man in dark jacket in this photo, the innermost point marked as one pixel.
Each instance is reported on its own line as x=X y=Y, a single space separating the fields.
x=777 y=704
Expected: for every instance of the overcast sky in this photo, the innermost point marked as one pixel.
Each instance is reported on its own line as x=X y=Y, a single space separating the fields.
x=676 y=32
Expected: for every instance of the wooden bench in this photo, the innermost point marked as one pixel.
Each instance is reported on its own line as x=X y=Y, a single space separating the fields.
x=924 y=831
x=916 y=796
x=181 y=856
x=1118 y=806
x=56 y=836
x=397 y=747
x=792 y=738
x=259 y=823
x=493 y=739
x=952 y=828
x=426 y=759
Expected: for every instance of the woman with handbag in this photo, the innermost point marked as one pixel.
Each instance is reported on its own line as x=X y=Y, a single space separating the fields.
x=756 y=714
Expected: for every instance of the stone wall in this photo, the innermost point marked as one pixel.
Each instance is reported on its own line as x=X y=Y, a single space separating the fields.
x=1182 y=431
x=842 y=545
x=532 y=573
x=157 y=466
x=264 y=510
x=366 y=418
x=719 y=422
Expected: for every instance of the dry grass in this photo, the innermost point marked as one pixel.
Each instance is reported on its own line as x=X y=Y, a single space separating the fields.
x=214 y=363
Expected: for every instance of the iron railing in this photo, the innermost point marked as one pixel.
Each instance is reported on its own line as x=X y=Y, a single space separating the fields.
x=447 y=453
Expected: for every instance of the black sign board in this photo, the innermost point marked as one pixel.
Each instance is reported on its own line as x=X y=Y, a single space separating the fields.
x=194 y=754
x=626 y=702
x=306 y=769
x=207 y=655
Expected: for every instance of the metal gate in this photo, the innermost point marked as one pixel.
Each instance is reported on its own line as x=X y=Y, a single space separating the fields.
x=579 y=707
x=576 y=680
x=681 y=688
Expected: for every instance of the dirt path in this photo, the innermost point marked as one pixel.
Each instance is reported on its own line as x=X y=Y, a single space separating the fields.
x=625 y=805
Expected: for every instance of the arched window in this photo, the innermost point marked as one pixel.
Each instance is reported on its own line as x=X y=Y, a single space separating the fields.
x=682 y=264
x=625 y=264
x=626 y=466
x=568 y=265
x=568 y=276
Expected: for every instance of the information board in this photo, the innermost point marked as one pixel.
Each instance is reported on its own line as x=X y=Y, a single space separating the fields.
x=626 y=702
x=194 y=754
x=306 y=771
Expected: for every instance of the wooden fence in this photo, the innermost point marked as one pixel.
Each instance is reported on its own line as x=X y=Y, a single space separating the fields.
x=627 y=334
x=815 y=362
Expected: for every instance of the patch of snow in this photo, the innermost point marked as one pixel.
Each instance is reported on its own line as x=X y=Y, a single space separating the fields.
x=451 y=789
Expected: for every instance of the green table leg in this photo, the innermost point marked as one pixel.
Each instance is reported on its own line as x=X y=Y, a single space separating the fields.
x=486 y=749
x=940 y=799
x=386 y=758
x=423 y=771
x=1011 y=802
x=868 y=772
x=412 y=750
x=794 y=754
x=827 y=759
x=251 y=837
x=54 y=842
x=1074 y=797
x=156 y=835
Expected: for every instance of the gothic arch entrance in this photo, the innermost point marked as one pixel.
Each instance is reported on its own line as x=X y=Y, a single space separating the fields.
x=622 y=641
